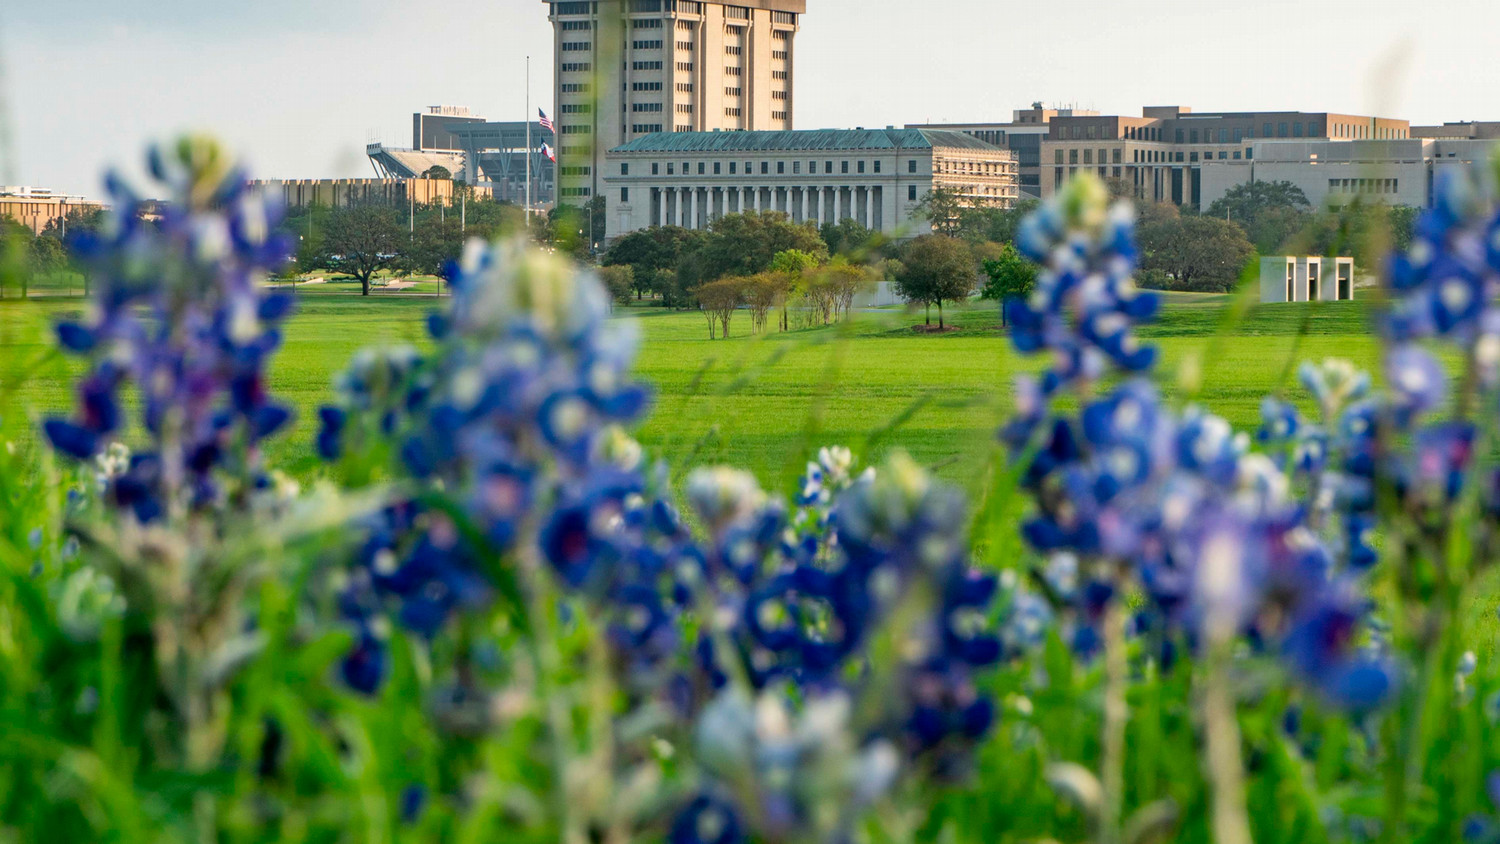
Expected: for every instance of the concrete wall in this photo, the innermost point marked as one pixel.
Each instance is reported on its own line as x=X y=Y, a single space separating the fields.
x=1304 y=279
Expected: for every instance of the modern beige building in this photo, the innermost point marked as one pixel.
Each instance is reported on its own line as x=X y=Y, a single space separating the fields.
x=340 y=193
x=37 y=208
x=1162 y=153
x=877 y=177
x=629 y=68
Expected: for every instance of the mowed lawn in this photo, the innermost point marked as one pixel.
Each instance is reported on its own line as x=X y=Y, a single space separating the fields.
x=876 y=383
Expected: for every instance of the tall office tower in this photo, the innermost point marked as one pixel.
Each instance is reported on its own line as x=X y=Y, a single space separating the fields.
x=627 y=68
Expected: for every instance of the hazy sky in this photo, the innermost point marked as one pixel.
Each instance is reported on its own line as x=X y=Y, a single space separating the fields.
x=301 y=85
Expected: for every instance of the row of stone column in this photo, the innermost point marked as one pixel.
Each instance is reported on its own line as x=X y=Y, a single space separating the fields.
x=824 y=204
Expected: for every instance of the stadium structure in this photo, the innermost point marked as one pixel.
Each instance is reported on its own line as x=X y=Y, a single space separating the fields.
x=474 y=151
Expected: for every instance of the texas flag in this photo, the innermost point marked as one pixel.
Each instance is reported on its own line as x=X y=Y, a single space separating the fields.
x=550 y=153
x=546 y=121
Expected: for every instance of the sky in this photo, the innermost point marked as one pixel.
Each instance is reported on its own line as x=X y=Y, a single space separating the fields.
x=300 y=86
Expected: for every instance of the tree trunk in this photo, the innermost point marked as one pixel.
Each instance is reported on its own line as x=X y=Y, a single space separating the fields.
x=929 y=314
x=1004 y=317
x=940 y=315
x=364 y=284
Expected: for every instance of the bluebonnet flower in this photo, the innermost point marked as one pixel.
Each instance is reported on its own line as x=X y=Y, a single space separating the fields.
x=1128 y=492
x=178 y=313
x=1085 y=305
x=513 y=417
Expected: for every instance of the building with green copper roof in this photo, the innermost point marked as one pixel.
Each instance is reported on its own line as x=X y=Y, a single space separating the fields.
x=877 y=177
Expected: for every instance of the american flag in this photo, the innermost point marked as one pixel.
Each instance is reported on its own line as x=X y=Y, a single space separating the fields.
x=546 y=121
x=550 y=153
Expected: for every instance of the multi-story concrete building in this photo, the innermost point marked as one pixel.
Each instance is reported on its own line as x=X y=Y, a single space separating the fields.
x=629 y=68
x=1162 y=153
x=1023 y=136
x=38 y=208
x=875 y=176
x=1395 y=172
x=341 y=193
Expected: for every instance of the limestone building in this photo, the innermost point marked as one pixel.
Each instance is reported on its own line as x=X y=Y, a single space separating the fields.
x=875 y=176
x=630 y=68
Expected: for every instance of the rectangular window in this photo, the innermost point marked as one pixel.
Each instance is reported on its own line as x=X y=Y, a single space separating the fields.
x=646 y=65
x=1281 y=130
x=1297 y=129
x=1088 y=156
x=861 y=167
x=1072 y=156
x=671 y=169
x=732 y=167
x=700 y=168
x=911 y=193
x=1239 y=135
x=765 y=168
x=655 y=169
x=1267 y=131
x=877 y=166
x=911 y=166
x=624 y=194
x=625 y=168
x=796 y=167
x=575 y=47
x=1223 y=136
x=780 y=167
x=1116 y=156
x=828 y=167
x=1180 y=135
x=843 y=166
x=716 y=168
x=1193 y=136
x=1057 y=156
x=646 y=45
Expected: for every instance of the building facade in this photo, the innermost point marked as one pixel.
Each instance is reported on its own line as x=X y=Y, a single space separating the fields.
x=38 y=208
x=1023 y=135
x=1162 y=153
x=876 y=177
x=341 y=193
x=629 y=68
x=1400 y=172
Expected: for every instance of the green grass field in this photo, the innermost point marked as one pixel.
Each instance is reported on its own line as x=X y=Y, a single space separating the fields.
x=875 y=383
x=767 y=402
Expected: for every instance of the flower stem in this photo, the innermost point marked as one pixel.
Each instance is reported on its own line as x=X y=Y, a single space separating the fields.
x=1226 y=768
x=1116 y=715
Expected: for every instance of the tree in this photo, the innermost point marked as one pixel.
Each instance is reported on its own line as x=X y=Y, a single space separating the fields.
x=936 y=269
x=989 y=223
x=362 y=240
x=943 y=207
x=843 y=281
x=849 y=237
x=1271 y=213
x=1200 y=253
x=1011 y=276
x=719 y=300
x=433 y=245
x=791 y=267
x=650 y=252
x=745 y=244
x=619 y=280
x=762 y=293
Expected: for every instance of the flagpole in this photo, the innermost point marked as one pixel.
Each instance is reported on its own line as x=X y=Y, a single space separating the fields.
x=528 y=144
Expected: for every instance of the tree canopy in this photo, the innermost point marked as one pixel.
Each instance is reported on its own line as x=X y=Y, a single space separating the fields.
x=362 y=240
x=1199 y=253
x=1011 y=276
x=936 y=269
